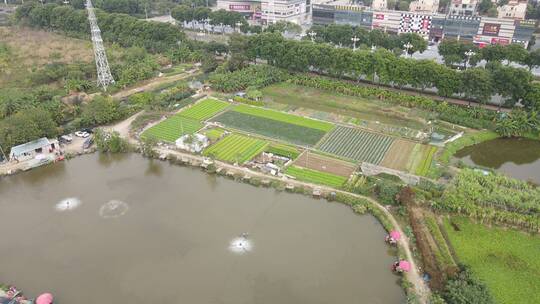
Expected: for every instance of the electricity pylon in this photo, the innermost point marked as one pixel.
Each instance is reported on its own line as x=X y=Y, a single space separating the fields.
x=104 y=77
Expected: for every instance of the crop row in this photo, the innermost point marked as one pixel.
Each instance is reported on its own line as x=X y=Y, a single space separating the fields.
x=284 y=117
x=236 y=148
x=283 y=150
x=172 y=128
x=271 y=128
x=357 y=144
x=204 y=109
x=316 y=177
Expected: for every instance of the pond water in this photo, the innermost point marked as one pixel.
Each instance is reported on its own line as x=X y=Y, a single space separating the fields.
x=123 y=229
x=516 y=157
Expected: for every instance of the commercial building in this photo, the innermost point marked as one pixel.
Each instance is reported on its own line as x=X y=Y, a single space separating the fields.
x=480 y=30
x=463 y=7
x=424 y=6
x=514 y=9
x=250 y=9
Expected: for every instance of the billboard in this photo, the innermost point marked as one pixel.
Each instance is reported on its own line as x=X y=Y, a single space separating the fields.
x=239 y=7
x=491 y=29
x=412 y=23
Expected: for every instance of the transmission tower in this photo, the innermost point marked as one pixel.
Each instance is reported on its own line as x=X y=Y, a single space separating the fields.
x=104 y=77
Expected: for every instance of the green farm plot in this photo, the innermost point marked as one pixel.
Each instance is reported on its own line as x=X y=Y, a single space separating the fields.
x=356 y=144
x=506 y=260
x=421 y=158
x=172 y=128
x=284 y=117
x=204 y=109
x=292 y=133
x=283 y=150
x=316 y=177
x=236 y=148
x=214 y=134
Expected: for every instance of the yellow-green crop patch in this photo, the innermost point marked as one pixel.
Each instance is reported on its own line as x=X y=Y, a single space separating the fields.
x=172 y=128
x=284 y=117
x=236 y=148
x=204 y=109
x=316 y=177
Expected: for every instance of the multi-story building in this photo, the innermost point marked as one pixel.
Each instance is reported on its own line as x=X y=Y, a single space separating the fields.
x=379 y=5
x=515 y=9
x=463 y=7
x=424 y=6
x=270 y=11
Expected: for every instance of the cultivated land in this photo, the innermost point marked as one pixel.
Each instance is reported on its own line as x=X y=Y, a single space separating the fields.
x=398 y=155
x=359 y=108
x=236 y=148
x=356 y=144
x=284 y=117
x=204 y=109
x=325 y=164
x=505 y=259
x=421 y=158
x=172 y=128
x=317 y=177
x=296 y=134
x=31 y=49
x=283 y=150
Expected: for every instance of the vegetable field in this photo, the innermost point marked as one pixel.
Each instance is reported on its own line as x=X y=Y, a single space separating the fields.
x=325 y=164
x=357 y=144
x=283 y=150
x=506 y=260
x=172 y=128
x=284 y=117
x=399 y=154
x=204 y=109
x=271 y=128
x=236 y=148
x=316 y=177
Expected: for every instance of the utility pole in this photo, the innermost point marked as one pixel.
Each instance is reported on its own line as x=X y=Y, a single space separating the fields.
x=3 y=154
x=104 y=77
x=354 y=41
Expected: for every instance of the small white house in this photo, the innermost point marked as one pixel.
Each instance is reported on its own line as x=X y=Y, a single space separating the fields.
x=193 y=143
x=34 y=149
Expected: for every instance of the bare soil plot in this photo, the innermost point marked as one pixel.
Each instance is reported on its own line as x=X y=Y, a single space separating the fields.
x=398 y=155
x=325 y=164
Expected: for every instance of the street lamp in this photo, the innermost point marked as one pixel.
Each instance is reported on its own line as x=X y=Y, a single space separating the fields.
x=468 y=54
x=408 y=46
x=312 y=34
x=354 y=41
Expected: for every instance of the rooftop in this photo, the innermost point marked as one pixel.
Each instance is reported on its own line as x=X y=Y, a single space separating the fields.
x=30 y=146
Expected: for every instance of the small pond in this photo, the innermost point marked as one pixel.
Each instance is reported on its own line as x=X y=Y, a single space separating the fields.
x=515 y=157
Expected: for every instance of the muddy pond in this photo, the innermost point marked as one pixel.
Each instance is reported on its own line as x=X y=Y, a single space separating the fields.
x=123 y=229
x=515 y=157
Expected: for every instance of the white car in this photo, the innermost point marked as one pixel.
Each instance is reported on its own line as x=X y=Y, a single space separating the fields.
x=82 y=134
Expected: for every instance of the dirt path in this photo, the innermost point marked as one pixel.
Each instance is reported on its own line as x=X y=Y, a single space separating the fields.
x=153 y=84
x=123 y=127
x=413 y=276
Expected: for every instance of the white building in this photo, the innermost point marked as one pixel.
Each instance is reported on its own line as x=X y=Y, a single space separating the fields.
x=379 y=5
x=513 y=10
x=463 y=7
x=34 y=149
x=295 y=11
x=424 y=6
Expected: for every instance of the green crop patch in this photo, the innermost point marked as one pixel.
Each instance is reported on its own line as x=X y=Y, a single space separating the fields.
x=506 y=260
x=172 y=128
x=204 y=109
x=283 y=150
x=236 y=148
x=316 y=177
x=271 y=128
x=357 y=144
x=284 y=117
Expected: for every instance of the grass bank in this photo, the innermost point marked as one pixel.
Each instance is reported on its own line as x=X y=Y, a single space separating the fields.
x=466 y=140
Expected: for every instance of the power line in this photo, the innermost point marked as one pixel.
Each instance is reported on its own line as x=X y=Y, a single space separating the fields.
x=104 y=77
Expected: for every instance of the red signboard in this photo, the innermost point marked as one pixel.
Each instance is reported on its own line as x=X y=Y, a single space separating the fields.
x=379 y=16
x=491 y=29
x=239 y=7
x=502 y=41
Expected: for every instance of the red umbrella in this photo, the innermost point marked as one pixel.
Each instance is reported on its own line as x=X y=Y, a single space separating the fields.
x=45 y=298
x=395 y=235
x=403 y=265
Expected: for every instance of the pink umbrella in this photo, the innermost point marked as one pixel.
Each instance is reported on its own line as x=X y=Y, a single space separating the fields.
x=395 y=235
x=45 y=298
x=403 y=265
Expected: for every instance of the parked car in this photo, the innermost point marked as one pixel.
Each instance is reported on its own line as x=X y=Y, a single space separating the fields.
x=65 y=139
x=88 y=143
x=82 y=134
x=88 y=130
